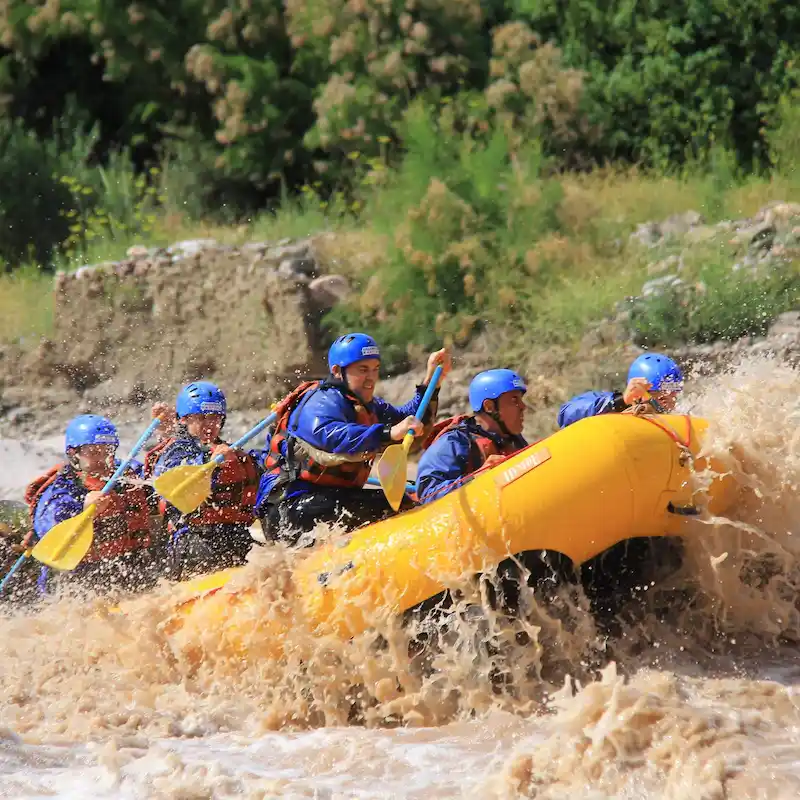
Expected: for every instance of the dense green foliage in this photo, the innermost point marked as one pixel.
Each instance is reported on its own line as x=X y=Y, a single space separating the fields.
x=444 y=125
x=264 y=93
x=57 y=201
x=32 y=200
x=480 y=232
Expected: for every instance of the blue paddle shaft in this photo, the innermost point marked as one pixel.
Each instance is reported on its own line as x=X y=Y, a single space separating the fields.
x=375 y=482
x=218 y=459
x=13 y=569
x=426 y=398
x=126 y=463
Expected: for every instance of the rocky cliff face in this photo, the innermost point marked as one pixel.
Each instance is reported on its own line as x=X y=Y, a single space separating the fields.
x=135 y=330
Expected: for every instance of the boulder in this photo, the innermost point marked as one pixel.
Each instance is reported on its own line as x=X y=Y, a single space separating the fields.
x=328 y=290
x=248 y=318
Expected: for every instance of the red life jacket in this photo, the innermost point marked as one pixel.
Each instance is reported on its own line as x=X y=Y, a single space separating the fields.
x=482 y=445
x=311 y=464
x=35 y=489
x=122 y=527
x=234 y=487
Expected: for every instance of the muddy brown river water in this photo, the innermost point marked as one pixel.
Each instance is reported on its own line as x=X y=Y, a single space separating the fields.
x=700 y=700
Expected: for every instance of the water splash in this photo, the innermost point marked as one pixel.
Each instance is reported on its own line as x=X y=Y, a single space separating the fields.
x=672 y=707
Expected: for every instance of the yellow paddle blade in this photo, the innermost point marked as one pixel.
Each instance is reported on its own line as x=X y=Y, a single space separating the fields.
x=64 y=545
x=186 y=486
x=392 y=470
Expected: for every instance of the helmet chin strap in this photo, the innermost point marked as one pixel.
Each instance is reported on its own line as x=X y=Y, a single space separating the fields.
x=659 y=409
x=495 y=415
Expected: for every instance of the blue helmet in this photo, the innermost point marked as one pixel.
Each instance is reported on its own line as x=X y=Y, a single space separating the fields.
x=491 y=384
x=658 y=370
x=352 y=347
x=90 y=429
x=200 y=397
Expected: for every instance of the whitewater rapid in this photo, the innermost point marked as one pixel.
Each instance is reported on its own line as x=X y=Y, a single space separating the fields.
x=701 y=702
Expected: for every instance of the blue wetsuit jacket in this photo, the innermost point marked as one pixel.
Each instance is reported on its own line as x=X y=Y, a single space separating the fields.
x=450 y=461
x=326 y=420
x=590 y=404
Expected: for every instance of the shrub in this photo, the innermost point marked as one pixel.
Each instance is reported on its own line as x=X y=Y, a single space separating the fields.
x=33 y=198
x=532 y=93
x=114 y=204
x=783 y=137
x=370 y=58
x=463 y=216
x=721 y=304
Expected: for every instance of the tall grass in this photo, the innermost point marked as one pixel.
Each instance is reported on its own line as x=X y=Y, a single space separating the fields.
x=465 y=233
x=26 y=305
x=479 y=233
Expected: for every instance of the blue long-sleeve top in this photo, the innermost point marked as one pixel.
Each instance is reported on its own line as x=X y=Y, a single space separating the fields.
x=326 y=420
x=183 y=450
x=186 y=450
x=63 y=500
x=450 y=461
x=590 y=404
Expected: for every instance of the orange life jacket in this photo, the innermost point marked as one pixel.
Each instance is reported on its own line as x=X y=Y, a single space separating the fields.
x=482 y=445
x=311 y=464
x=234 y=487
x=123 y=526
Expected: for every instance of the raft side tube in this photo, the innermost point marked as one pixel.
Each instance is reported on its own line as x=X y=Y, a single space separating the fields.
x=577 y=493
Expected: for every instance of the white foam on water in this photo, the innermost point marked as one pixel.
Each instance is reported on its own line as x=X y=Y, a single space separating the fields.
x=450 y=761
x=703 y=703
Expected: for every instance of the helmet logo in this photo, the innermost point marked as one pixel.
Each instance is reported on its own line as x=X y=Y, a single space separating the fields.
x=212 y=407
x=517 y=384
x=102 y=438
x=370 y=351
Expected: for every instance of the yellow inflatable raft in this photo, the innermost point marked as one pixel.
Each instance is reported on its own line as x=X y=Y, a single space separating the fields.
x=578 y=492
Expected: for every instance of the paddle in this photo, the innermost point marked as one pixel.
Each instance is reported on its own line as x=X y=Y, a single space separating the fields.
x=394 y=461
x=410 y=485
x=188 y=485
x=64 y=545
x=17 y=564
x=14 y=515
